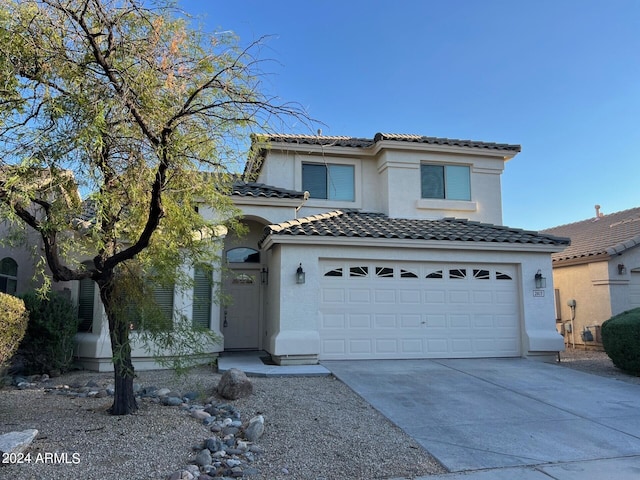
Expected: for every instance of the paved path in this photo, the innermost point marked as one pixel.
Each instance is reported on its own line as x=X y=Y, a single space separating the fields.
x=507 y=418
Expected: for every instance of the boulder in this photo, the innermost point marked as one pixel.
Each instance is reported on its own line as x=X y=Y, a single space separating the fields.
x=234 y=384
x=17 y=442
x=255 y=429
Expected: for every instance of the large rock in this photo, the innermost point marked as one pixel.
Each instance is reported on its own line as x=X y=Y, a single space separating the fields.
x=17 y=442
x=234 y=384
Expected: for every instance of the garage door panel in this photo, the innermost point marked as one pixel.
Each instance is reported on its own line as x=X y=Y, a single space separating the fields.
x=386 y=345
x=413 y=321
x=412 y=345
x=460 y=321
x=386 y=321
x=359 y=295
x=459 y=311
x=435 y=297
x=361 y=346
x=359 y=321
x=456 y=297
x=333 y=321
x=411 y=297
x=461 y=346
x=385 y=296
x=437 y=346
x=436 y=320
x=483 y=321
x=482 y=297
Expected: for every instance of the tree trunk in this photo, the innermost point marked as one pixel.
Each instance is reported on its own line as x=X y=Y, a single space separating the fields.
x=124 y=401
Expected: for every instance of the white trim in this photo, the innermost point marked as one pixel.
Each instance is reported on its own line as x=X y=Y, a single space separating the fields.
x=444 y=204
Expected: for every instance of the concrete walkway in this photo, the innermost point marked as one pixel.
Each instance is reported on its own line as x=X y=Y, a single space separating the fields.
x=251 y=363
x=505 y=419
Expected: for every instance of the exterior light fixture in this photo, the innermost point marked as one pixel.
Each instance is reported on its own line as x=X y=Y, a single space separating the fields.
x=622 y=270
x=264 y=276
x=300 y=275
x=541 y=282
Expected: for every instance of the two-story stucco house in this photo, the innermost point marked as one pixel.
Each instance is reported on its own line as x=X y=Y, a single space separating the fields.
x=402 y=248
x=396 y=251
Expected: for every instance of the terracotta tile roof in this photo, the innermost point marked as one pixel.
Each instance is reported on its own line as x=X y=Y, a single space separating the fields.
x=334 y=141
x=605 y=235
x=345 y=223
x=251 y=189
x=339 y=141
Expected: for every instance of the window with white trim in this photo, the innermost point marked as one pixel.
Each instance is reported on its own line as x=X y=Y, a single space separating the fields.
x=8 y=275
x=86 y=298
x=329 y=181
x=202 y=296
x=450 y=182
x=156 y=311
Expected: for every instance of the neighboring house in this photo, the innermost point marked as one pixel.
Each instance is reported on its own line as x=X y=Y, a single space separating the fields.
x=396 y=251
x=599 y=274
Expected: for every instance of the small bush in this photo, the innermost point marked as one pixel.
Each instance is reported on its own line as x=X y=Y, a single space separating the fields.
x=621 y=340
x=48 y=345
x=13 y=325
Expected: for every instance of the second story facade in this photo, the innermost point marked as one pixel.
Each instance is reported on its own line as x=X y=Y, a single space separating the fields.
x=402 y=176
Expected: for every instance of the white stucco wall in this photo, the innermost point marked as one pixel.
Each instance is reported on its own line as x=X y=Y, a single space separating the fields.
x=388 y=181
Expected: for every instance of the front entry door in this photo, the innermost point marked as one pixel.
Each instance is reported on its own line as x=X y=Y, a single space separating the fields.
x=240 y=318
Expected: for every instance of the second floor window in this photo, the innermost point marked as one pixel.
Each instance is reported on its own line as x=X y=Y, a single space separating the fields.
x=330 y=181
x=451 y=182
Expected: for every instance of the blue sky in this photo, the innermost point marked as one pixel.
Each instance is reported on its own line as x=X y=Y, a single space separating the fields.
x=559 y=77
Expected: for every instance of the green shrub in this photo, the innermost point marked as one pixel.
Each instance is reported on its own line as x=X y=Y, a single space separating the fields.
x=13 y=324
x=48 y=345
x=621 y=340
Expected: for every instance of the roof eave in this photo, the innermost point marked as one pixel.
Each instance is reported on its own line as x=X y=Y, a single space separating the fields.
x=433 y=147
x=582 y=260
x=283 y=239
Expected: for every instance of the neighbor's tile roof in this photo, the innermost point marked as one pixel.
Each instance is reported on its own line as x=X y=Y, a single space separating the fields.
x=251 y=189
x=605 y=235
x=340 y=141
x=341 y=223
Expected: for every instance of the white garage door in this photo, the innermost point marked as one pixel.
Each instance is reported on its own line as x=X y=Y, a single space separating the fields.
x=634 y=289
x=418 y=310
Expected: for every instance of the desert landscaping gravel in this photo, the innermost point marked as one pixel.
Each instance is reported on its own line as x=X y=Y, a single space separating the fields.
x=316 y=428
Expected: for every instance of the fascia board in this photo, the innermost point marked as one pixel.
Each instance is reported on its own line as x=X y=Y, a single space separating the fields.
x=417 y=146
x=408 y=243
x=319 y=149
x=267 y=201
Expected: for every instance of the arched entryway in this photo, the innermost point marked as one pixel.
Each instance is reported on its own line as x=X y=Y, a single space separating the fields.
x=242 y=285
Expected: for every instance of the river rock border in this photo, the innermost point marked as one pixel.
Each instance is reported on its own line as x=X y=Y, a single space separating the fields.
x=227 y=454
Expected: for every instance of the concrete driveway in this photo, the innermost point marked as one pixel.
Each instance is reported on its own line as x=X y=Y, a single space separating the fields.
x=481 y=414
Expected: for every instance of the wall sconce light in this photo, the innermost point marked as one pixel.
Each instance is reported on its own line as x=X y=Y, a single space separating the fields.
x=264 y=276
x=300 y=275
x=622 y=270
x=541 y=282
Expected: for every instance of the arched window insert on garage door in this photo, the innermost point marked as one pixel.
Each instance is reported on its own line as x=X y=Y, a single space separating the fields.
x=503 y=276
